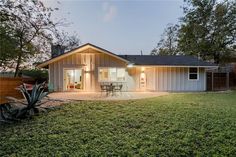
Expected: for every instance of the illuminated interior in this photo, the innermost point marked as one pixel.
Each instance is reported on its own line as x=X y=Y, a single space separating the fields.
x=73 y=79
x=111 y=74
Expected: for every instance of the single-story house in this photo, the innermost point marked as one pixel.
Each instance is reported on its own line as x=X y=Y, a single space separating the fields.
x=88 y=66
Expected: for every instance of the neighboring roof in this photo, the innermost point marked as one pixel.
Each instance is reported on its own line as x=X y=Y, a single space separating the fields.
x=80 y=49
x=153 y=60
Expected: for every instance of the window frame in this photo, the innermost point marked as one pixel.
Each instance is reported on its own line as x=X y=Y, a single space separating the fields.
x=109 y=80
x=99 y=79
x=124 y=74
x=193 y=73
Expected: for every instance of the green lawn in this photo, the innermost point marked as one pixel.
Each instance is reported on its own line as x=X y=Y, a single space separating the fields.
x=199 y=124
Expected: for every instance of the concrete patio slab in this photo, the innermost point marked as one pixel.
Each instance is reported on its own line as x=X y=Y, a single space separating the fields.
x=103 y=96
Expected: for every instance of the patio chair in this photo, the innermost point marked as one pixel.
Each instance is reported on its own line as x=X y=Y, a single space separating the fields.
x=111 y=89
x=118 y=88
x=103 y=88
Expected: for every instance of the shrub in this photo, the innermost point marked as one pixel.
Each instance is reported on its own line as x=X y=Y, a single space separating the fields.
x=35 y=73
x=19 y=109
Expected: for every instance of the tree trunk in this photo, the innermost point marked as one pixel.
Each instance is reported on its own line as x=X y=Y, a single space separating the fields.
x=18 y=64
x=217 y=58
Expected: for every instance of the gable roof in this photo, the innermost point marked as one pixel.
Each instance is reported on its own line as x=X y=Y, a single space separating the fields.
x=153 y=60
x=137 y=60
x=80 y=49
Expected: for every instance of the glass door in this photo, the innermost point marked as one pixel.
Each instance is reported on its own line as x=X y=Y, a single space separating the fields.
x=142 y=81
x=73 y=79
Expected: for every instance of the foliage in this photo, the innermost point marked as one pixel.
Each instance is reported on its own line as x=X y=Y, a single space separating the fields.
x=31 y=26
x=7 y=47
x=67 y=41
x=35 y=73
x=5 y=114
x=209 y=29
x=27 y=31
x=197 y=124
x=168 y=43
x=18 y=109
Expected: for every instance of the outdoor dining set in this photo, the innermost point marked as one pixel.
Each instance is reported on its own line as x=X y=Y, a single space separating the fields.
x=111 y=88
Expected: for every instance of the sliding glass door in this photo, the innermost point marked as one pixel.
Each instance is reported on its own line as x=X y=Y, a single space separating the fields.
x=73 y=80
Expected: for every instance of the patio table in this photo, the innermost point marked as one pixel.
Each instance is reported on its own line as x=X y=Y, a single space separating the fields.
x=111 y=87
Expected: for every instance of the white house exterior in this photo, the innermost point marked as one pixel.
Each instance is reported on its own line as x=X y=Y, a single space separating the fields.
x=88 y=66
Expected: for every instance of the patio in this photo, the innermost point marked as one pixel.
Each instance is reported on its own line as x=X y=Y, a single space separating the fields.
x=103 y=96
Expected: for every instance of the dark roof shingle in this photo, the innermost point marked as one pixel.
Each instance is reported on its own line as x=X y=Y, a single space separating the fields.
x=166 y=60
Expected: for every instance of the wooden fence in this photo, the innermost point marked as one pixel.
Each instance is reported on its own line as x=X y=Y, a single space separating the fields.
x=8 y=87
x=217 y=81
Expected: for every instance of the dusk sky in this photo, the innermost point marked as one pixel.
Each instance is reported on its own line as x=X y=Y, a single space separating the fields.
x=123 y=27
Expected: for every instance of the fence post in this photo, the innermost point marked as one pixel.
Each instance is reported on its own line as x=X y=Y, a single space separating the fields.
x=212 y=81
x=227 y=80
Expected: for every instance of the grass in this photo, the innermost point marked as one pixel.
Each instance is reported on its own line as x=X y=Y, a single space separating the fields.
x=197 y=124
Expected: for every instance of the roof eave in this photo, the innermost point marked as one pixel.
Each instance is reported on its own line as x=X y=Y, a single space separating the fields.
x=200 y=66
x=77 y=50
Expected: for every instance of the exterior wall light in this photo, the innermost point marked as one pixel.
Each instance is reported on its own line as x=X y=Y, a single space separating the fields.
x=130 y=65
x=87 y=71
x=142 y=69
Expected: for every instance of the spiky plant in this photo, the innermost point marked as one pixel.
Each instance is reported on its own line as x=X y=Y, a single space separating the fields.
x=5 y=117
x=32 y=103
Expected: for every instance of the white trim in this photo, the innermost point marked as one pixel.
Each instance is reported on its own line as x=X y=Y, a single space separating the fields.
x=193 y=73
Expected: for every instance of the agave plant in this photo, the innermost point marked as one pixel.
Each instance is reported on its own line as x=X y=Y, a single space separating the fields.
x=32 y=103
x=5 y=116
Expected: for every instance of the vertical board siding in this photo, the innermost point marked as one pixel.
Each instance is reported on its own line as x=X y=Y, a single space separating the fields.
x=165 y=78
x=173 y=78
x=176 y=79
x=150 y=77
x=89 y=60
x=182 y=79
x=50 y=73
x=96 y=64
x=55 y=77
x=59 y=75
x=158 y=78
x=130 y=84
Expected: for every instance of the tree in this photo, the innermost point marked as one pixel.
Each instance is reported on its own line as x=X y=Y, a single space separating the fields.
x=31 y=28
x=66 y=40
x=168 y=43
x=7 y=47
x=208 y=29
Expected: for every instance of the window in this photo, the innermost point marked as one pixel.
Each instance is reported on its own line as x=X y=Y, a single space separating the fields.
x=193 y=74
x=121 y=74
x=112 y=74
x=103 y=74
